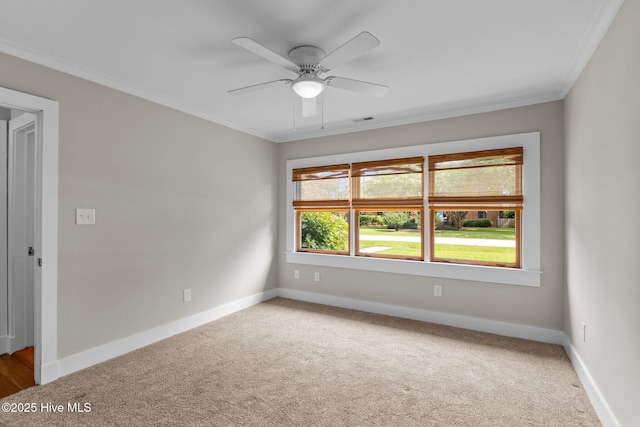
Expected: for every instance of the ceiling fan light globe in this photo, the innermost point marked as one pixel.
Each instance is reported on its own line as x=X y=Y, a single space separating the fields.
x=308 y=88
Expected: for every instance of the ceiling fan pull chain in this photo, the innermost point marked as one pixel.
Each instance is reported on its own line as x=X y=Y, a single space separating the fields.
x=294 y=117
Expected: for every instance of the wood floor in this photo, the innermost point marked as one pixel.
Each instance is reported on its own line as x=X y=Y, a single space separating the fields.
x=16 y=371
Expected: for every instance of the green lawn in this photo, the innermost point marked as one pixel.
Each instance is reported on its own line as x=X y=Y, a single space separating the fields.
x=480 y=233
x=461 y=252
x=395 y=248
x=472 y=253
x=488 y=253
x=465 y=233
x=384 y=231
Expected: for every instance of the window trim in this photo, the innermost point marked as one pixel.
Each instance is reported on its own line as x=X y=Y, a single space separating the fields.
x=529 y=272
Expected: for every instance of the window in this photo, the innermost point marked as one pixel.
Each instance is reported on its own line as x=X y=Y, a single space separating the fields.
x=393 y=189
x=476 y=182
x=372 y=190
x=322 y=209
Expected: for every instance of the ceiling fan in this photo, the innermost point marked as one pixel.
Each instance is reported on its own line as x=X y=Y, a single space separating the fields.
x=309 y=62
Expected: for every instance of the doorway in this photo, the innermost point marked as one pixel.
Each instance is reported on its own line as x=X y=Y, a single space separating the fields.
x=21 y=247
x=35 y=163
x=18 y=206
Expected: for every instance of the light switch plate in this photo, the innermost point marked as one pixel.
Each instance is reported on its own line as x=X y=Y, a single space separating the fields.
x=85 y=216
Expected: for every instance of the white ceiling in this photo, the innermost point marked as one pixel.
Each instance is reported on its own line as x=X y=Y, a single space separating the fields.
x=441 y=58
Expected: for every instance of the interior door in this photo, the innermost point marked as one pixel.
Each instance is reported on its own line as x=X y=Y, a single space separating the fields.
x=21 y=227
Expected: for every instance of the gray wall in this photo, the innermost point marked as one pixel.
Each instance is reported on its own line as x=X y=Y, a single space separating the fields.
x=541 y=307
x=603 y=202
x=180 y=203
x=5 y=114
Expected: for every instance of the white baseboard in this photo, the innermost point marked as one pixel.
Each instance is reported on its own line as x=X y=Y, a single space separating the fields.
x=113 y=349
x=607 y=418
x=49 y=372
x=483 y=325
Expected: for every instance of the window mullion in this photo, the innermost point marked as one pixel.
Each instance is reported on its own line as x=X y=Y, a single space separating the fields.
x=353 y=232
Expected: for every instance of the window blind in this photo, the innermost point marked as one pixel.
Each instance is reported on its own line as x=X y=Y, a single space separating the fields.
x=388 y=183
x=468 y=181
x=321 y=186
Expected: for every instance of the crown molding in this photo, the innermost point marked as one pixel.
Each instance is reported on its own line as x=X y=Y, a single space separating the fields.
x=465 y=108
x=76 y=71
x=592 y=38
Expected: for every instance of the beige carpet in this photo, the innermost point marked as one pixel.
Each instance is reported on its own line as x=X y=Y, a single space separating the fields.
x=289 y=363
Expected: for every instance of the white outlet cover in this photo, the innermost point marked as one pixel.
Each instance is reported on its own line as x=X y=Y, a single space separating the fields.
x=85 y=216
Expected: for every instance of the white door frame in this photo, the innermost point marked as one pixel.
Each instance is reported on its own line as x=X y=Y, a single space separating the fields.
x=46 y=230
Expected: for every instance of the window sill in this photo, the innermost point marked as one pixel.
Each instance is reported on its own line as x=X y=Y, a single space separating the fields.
x=508 y=276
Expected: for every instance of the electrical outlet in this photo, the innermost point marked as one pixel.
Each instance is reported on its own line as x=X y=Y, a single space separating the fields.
x=584 y=332
x=437 y=290
x=85 y=216
x=296 y=274
x=186 y=295
x=316 y=276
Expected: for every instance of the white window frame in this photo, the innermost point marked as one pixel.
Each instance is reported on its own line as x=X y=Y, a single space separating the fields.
x=527 y=275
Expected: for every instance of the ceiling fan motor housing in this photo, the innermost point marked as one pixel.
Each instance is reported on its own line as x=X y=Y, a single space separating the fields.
x=308 y=84
x=307 y=58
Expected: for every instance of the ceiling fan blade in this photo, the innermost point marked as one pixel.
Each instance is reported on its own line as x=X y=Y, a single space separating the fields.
x=259 y=86
x=357 y=86
x=355 y=47
x=258 y=49
x=309 y=107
